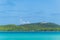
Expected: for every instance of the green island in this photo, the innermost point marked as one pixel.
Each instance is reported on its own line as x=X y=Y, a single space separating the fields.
x=33 y=27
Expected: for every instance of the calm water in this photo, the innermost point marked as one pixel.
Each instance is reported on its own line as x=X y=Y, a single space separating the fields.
x=30 y=36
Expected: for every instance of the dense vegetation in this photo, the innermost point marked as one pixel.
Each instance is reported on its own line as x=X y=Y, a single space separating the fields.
x=34 y=27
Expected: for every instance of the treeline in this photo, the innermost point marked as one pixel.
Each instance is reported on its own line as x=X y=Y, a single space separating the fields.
x=34 y=27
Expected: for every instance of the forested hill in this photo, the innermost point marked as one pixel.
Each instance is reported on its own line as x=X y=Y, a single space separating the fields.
x=31 y=27
x=41 y=25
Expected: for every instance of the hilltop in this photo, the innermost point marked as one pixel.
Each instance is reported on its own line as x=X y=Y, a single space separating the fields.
x=41 y=25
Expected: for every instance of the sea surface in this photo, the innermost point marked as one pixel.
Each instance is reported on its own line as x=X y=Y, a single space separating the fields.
x=29 y=35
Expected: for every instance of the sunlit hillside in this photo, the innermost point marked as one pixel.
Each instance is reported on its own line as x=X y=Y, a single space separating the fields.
x=33 y=27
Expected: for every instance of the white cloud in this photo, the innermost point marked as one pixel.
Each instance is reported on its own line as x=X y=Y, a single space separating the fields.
x=24 y=22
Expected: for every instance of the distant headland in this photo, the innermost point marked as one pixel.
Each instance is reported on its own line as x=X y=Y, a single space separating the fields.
x=33 y=27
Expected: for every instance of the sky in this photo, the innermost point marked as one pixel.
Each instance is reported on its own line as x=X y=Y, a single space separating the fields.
x=29 y=11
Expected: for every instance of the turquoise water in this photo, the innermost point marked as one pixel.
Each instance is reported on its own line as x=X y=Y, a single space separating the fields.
x=30 y=36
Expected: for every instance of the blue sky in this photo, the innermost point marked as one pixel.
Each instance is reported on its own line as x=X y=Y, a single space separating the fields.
x=29 y=11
